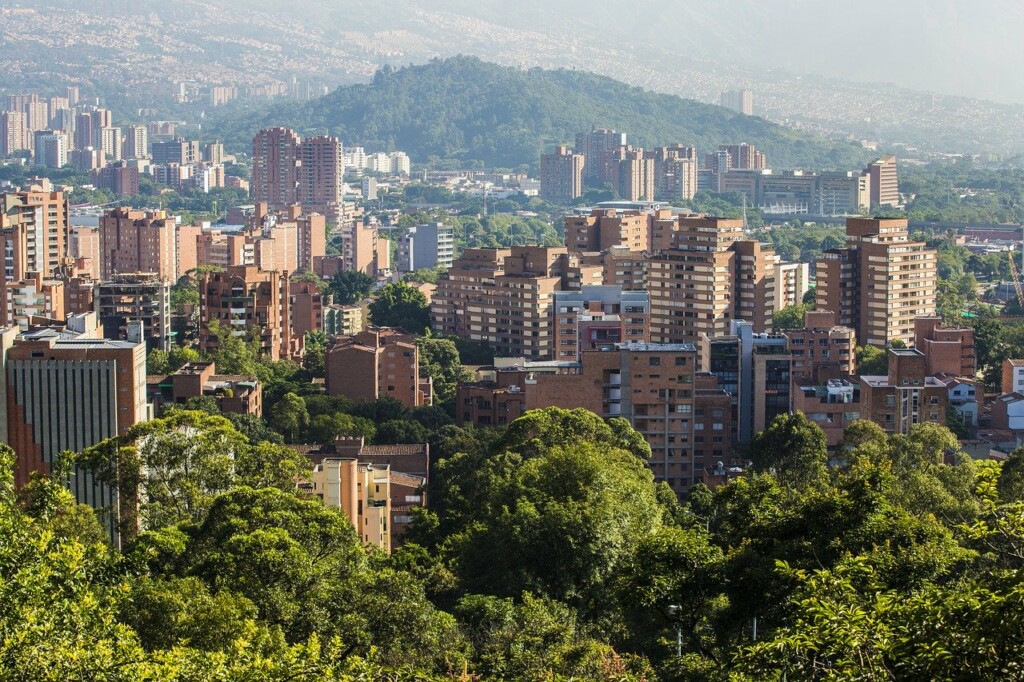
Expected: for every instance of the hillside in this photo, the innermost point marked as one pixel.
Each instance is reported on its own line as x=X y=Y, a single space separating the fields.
x=466 y=109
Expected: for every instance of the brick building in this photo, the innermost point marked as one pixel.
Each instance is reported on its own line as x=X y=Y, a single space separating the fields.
x=34 y=234
x=233 y=393
x=949 y=350
x=502 y=296
x=243 y=298
x=375 y=363
x=683 y=415
x=606 y=228
x=598 y=315
x=708 y=276
x=905 y=397
x=880 y=282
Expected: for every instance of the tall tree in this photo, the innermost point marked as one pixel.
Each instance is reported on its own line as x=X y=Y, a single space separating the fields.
x=350 y=286
x=793 y=447
x=402 y=306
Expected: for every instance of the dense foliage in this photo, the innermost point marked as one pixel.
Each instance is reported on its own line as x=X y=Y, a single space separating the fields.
x=548 y=553
x=472 y=111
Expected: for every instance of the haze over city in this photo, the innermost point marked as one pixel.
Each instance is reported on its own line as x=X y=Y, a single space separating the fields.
x=480 y=341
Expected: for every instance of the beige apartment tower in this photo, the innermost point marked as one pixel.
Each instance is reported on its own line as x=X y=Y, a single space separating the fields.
x=711 y=275
x=880 y=282
x=561 y=175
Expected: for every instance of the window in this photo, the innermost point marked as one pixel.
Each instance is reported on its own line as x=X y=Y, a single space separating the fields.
x=680 y=360
x=654 y=361
x=934 y=400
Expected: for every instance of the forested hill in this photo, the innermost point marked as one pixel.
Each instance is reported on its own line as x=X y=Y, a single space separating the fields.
x=470 y=110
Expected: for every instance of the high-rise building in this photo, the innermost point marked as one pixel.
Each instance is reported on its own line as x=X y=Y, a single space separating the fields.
x=880 y=282
x=51 y=148
x=213 y=152
x=321 y=173
x=135 y=241
x=754 y=369
x=33 y=234
x=67 y=393
x=130 y=299
x=605 y=228
x=178 y=150
x=400 y=164
x=136 y=142
x=596 y=316
x=243 y=298
x=375 y=363
x=431 y=245
x=597 y=148
x=635 y=175
x=14 y=135
x=884 y=183
x=110 y=143
x=561 y=175
x=740 y=101
x=675 y=172
x=792 y=281
x=710 y=275
x=502 y=296
x=287 y=170
x=744 y=156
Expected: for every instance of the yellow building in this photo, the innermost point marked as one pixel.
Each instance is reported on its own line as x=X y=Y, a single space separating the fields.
x=361 y=491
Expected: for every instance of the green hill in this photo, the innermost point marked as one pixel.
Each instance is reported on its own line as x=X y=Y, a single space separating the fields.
x=473 y=111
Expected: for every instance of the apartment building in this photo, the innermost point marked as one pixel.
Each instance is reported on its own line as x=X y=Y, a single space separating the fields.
x=607 y=228
x=343 y=320
x=234 y=394
x=288 y=170
x=740 y=101
x=597 y=148
x=948 y=350
x=504 y=297
x=134 y=241
x=907 y=396
x=307 y=303
x=361 y=491
x=34 y=234
x=375 y=363
x=710 y=276
x=431 y=245
x=675 y=172
x=597 y=316
x=683 y=415
x=245 y=299
x=824 y=362
x=792 y=281
x=34 y=297
x=561 y=175
x=880 y=282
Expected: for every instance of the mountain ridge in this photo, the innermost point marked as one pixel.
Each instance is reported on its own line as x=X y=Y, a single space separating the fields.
x=466 y=109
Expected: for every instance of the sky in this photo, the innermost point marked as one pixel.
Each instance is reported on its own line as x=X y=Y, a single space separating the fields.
x=958 y=47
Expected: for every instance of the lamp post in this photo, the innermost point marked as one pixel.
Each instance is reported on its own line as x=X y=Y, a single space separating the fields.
x=673 y=612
